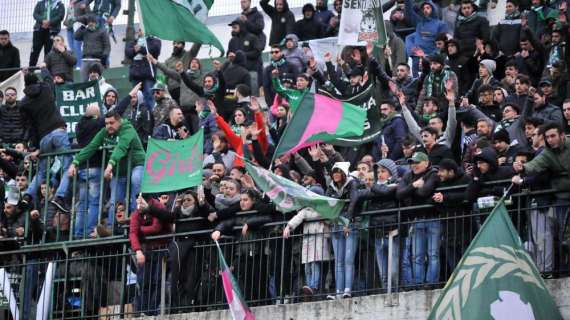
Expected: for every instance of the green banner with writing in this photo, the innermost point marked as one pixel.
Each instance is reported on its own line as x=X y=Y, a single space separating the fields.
x=172 y=165
x=73 y=99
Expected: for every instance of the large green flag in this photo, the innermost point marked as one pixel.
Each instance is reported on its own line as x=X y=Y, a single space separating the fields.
x=172 y=165
x=73 y=99
x=289 y=196
x=495 y=279
x=178 y=20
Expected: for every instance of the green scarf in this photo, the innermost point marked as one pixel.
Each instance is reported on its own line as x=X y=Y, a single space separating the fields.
x=513 y=16
x=278 y=63
x=463 y=19
x=212 y=91
x=434 y=83
x=539 y=12
x=385 y=120
x=428 y=116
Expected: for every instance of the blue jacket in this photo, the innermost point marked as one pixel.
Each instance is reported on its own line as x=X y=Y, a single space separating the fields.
x=394 y=132
x=427 y=29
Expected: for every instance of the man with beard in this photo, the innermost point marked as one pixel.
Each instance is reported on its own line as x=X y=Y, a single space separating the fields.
x=435 y=82
x=9 y=56
x=178 y=55
x=162 y=104
x=13 y=126
x=243 y=40
x=544 y=110
x=532 y=56
x=174 y=127
x=282 y=19
x=323 y=14
x=507 y=32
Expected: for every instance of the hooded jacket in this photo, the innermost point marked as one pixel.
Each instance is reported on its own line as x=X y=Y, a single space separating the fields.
x=249 y=44
x=409 y=195
x=549 y=113
x=309 y=29
x=477 y=188
x=295 y=56
x=427 y=28
x=235 y=72
x=461 y=66
x=40 y=109
x=284 y=67
x=282 y=23
x=144 y=224
x=9 y=58
x=348 y=191
x=393 y=134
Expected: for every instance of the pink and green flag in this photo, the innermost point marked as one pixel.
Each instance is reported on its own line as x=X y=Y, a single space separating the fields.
x=320 y=119
x=236 y=302
x=172 y=165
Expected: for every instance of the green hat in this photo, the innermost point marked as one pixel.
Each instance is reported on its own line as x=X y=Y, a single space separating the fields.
x=418 y=157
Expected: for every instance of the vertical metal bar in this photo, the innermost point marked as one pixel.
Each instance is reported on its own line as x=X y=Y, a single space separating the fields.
x=163 y=286
x=391 y=236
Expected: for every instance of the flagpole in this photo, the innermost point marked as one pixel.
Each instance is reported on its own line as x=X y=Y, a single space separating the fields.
x=141 y=25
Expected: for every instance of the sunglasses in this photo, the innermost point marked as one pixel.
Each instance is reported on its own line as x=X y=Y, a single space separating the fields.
x=275 y=52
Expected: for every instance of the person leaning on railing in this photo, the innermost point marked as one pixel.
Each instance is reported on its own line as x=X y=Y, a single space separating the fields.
x=122 y=136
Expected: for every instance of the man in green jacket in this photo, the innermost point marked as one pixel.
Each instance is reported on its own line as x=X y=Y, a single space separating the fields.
x=555 y=159
x=293 y=96
x=122 y=136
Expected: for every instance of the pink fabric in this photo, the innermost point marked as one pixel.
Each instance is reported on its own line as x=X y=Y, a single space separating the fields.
x=228 y=288
x=326 y=116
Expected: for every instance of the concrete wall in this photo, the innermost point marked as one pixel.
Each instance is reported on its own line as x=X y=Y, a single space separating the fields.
x=412 y=305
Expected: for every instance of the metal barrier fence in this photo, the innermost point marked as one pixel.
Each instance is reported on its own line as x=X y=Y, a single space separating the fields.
x=388 y=250
x=17 y=14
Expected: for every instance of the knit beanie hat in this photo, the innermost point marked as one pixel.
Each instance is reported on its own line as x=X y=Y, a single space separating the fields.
x=489 y=64
x=390 y=166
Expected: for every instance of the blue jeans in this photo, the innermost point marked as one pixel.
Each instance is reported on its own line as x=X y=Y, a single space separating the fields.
x=407 y=277
x=31 y=288
x=344 y=253
x=381 y=250
x=88 y=204
x=313 y=274
x=76 y=47
x=147 y=92
x=55 y=141
x=119 y=190
x=426 y=238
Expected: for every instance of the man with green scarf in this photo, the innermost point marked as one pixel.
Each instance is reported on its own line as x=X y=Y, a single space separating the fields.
x=277 y=62
x=469 y=27
x=537 y=17
x=435 y=81
x=293 y=96
x=48 y=15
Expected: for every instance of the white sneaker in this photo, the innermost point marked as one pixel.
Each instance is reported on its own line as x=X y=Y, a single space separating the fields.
x=331 y=297
x=346 y=294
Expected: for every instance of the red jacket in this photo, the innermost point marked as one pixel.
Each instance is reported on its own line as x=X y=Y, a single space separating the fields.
x=144 y=224
x=235 y=142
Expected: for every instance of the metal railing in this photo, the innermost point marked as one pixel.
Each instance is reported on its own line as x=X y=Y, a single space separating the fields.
x=100 y=277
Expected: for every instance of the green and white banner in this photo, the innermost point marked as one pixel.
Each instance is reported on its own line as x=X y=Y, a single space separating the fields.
x=73 y=99
x=495 y=279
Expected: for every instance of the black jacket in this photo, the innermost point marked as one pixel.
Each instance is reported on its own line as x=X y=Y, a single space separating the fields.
x=282 y=23
x=477 y=188
x=285 y=68
x=309 y=29
x=235 y=72
x=255 y=25
x=13 y=125
x=39 y=107
x=9 y=58
x=461 y=66
x=466 y=33
x=250 y=45
x=86 y=129
x=439 y=152
x=266 y=213
x=196 y=221
x=411 y=196
x=507 y=35
x=140 y=68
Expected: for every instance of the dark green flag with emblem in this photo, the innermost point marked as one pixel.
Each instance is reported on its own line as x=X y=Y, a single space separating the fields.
x=495 y=279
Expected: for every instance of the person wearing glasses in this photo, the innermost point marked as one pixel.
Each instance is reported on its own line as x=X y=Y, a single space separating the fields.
x=278 y=62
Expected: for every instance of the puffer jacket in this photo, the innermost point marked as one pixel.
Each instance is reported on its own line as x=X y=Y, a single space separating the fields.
x=13 y=125
x=61 y=63
x=557 y=162
x=95 y=42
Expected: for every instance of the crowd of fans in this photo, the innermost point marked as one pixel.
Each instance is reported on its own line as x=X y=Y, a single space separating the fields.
x=476 y=104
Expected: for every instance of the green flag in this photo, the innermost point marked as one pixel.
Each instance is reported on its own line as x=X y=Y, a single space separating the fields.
x=289 y=196
x=73 y=99
x=178 y=20
x=172 y=165
x=495 y=279
x=382 y=39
